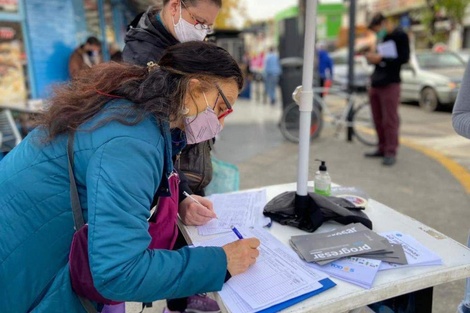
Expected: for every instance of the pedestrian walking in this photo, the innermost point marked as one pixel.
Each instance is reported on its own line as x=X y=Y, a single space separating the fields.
x=325 y=66
x=123 y=120
x=393 y=50
x=272 y=72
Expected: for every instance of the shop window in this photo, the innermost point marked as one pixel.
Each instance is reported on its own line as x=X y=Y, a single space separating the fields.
x=8 y=6
x=12 y=64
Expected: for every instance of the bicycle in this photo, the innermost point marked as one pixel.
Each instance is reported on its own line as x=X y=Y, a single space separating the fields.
x=358 y=117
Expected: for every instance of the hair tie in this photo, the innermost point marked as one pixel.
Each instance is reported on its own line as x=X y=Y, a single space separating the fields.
x=152 y=66
x=107 y=94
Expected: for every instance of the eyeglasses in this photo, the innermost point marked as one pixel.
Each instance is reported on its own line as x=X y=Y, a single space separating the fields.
x=198 y=25
x=227 y=103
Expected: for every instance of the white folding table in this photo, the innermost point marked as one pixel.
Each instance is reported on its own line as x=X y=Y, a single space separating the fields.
x=388 y=283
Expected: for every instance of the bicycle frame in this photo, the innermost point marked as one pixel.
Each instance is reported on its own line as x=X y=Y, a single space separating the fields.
x=354 y=114
x=341 y=120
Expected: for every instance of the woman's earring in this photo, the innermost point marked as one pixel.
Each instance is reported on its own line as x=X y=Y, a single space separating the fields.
x=184 y=111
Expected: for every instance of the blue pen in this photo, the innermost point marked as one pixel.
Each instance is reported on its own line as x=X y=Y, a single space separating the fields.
x=236 y=232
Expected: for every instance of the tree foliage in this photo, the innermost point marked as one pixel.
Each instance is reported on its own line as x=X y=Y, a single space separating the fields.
x=435 y=10
x=228 y=14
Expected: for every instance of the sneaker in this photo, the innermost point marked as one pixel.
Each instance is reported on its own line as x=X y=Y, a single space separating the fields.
x=375 y=154
x=389 y=161
x=202 y=304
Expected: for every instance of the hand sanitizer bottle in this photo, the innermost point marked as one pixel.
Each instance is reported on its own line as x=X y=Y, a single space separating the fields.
x=322 y=180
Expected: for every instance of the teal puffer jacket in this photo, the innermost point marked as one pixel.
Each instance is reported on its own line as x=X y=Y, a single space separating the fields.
x=118 y=169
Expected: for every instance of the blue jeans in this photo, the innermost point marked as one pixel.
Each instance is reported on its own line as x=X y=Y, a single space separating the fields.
x=270 y=84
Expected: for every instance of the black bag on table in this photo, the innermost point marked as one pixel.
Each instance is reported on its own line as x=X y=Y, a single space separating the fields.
x=282 y=210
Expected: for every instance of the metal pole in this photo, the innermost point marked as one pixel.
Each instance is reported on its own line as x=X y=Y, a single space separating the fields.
x=102 y=19
x=306 y=97
x=352 y=39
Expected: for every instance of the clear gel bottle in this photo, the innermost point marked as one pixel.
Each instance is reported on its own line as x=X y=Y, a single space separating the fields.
x=322 y=180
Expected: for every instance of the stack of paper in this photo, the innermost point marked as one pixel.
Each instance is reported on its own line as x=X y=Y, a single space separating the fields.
x=416 y=253
x=358 y=271
x=277 y=280
x=355 y=254
x=351 y=240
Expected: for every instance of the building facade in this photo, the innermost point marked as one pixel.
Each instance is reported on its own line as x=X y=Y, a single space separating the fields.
x=37 y=38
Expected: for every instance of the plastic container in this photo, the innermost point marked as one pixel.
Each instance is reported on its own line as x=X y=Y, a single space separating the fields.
x=322 y=180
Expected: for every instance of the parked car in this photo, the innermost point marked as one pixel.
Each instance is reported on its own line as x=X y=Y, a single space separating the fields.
x=464 y=54
x=432 y=78
x=362 y=70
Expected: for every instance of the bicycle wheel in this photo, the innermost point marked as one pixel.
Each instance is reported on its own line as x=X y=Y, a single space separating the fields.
x=363 y=125
x=291 y=119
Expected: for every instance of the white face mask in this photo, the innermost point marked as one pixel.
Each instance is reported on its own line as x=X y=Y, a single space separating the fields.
x=186 y=31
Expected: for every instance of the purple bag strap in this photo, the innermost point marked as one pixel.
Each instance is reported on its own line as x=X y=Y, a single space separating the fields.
x=76 y=210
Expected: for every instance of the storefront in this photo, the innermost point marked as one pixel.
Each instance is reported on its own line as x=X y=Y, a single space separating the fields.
x=13 y=87
x=37 y=38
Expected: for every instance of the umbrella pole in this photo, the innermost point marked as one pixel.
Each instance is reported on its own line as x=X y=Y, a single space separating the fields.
x=297 y=208
x=306 y=97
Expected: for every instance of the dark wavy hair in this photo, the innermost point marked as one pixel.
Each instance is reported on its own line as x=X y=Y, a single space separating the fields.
x=156 y=90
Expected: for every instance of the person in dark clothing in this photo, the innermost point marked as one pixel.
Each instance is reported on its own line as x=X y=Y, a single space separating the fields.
x=393 y=50
x=149 y=34
x=177 y=21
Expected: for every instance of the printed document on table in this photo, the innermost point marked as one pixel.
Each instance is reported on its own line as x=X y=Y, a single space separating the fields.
x=387 y=49
x=240 y=209
x=277 y=276
x=354 y=270
x=416 y=253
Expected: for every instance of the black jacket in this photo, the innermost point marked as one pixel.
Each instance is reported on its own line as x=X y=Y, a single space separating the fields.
x=388 y=70
x=147 y=40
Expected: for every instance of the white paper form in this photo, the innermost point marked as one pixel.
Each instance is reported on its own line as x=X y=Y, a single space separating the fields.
x=277 y=275
x=416 y=253
x=241 y=209
x=387 y=49
x=355 y=270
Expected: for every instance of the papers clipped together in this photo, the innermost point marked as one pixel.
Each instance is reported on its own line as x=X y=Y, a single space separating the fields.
x=355 y=254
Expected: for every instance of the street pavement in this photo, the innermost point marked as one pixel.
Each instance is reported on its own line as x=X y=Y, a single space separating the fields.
x=427 y=182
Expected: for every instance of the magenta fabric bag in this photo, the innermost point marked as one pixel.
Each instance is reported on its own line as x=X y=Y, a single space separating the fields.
x=163 y=231
x=79 y=268
x=164 y=228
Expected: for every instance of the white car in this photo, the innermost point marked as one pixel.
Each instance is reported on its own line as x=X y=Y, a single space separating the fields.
x=362 y=70
x=431 y=78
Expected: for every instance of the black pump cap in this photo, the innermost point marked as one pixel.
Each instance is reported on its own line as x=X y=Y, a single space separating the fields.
x=322 y=167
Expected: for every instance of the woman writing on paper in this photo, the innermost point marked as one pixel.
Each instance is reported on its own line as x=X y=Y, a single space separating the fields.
x=124 y=119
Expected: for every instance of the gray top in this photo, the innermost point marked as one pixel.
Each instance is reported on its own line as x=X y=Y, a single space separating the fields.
x=461 y=111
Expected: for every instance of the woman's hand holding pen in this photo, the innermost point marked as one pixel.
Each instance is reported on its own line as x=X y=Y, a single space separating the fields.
x=241 y=254
x=196 y=210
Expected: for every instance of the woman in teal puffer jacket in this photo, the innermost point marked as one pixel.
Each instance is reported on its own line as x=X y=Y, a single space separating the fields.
x=126 y=120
